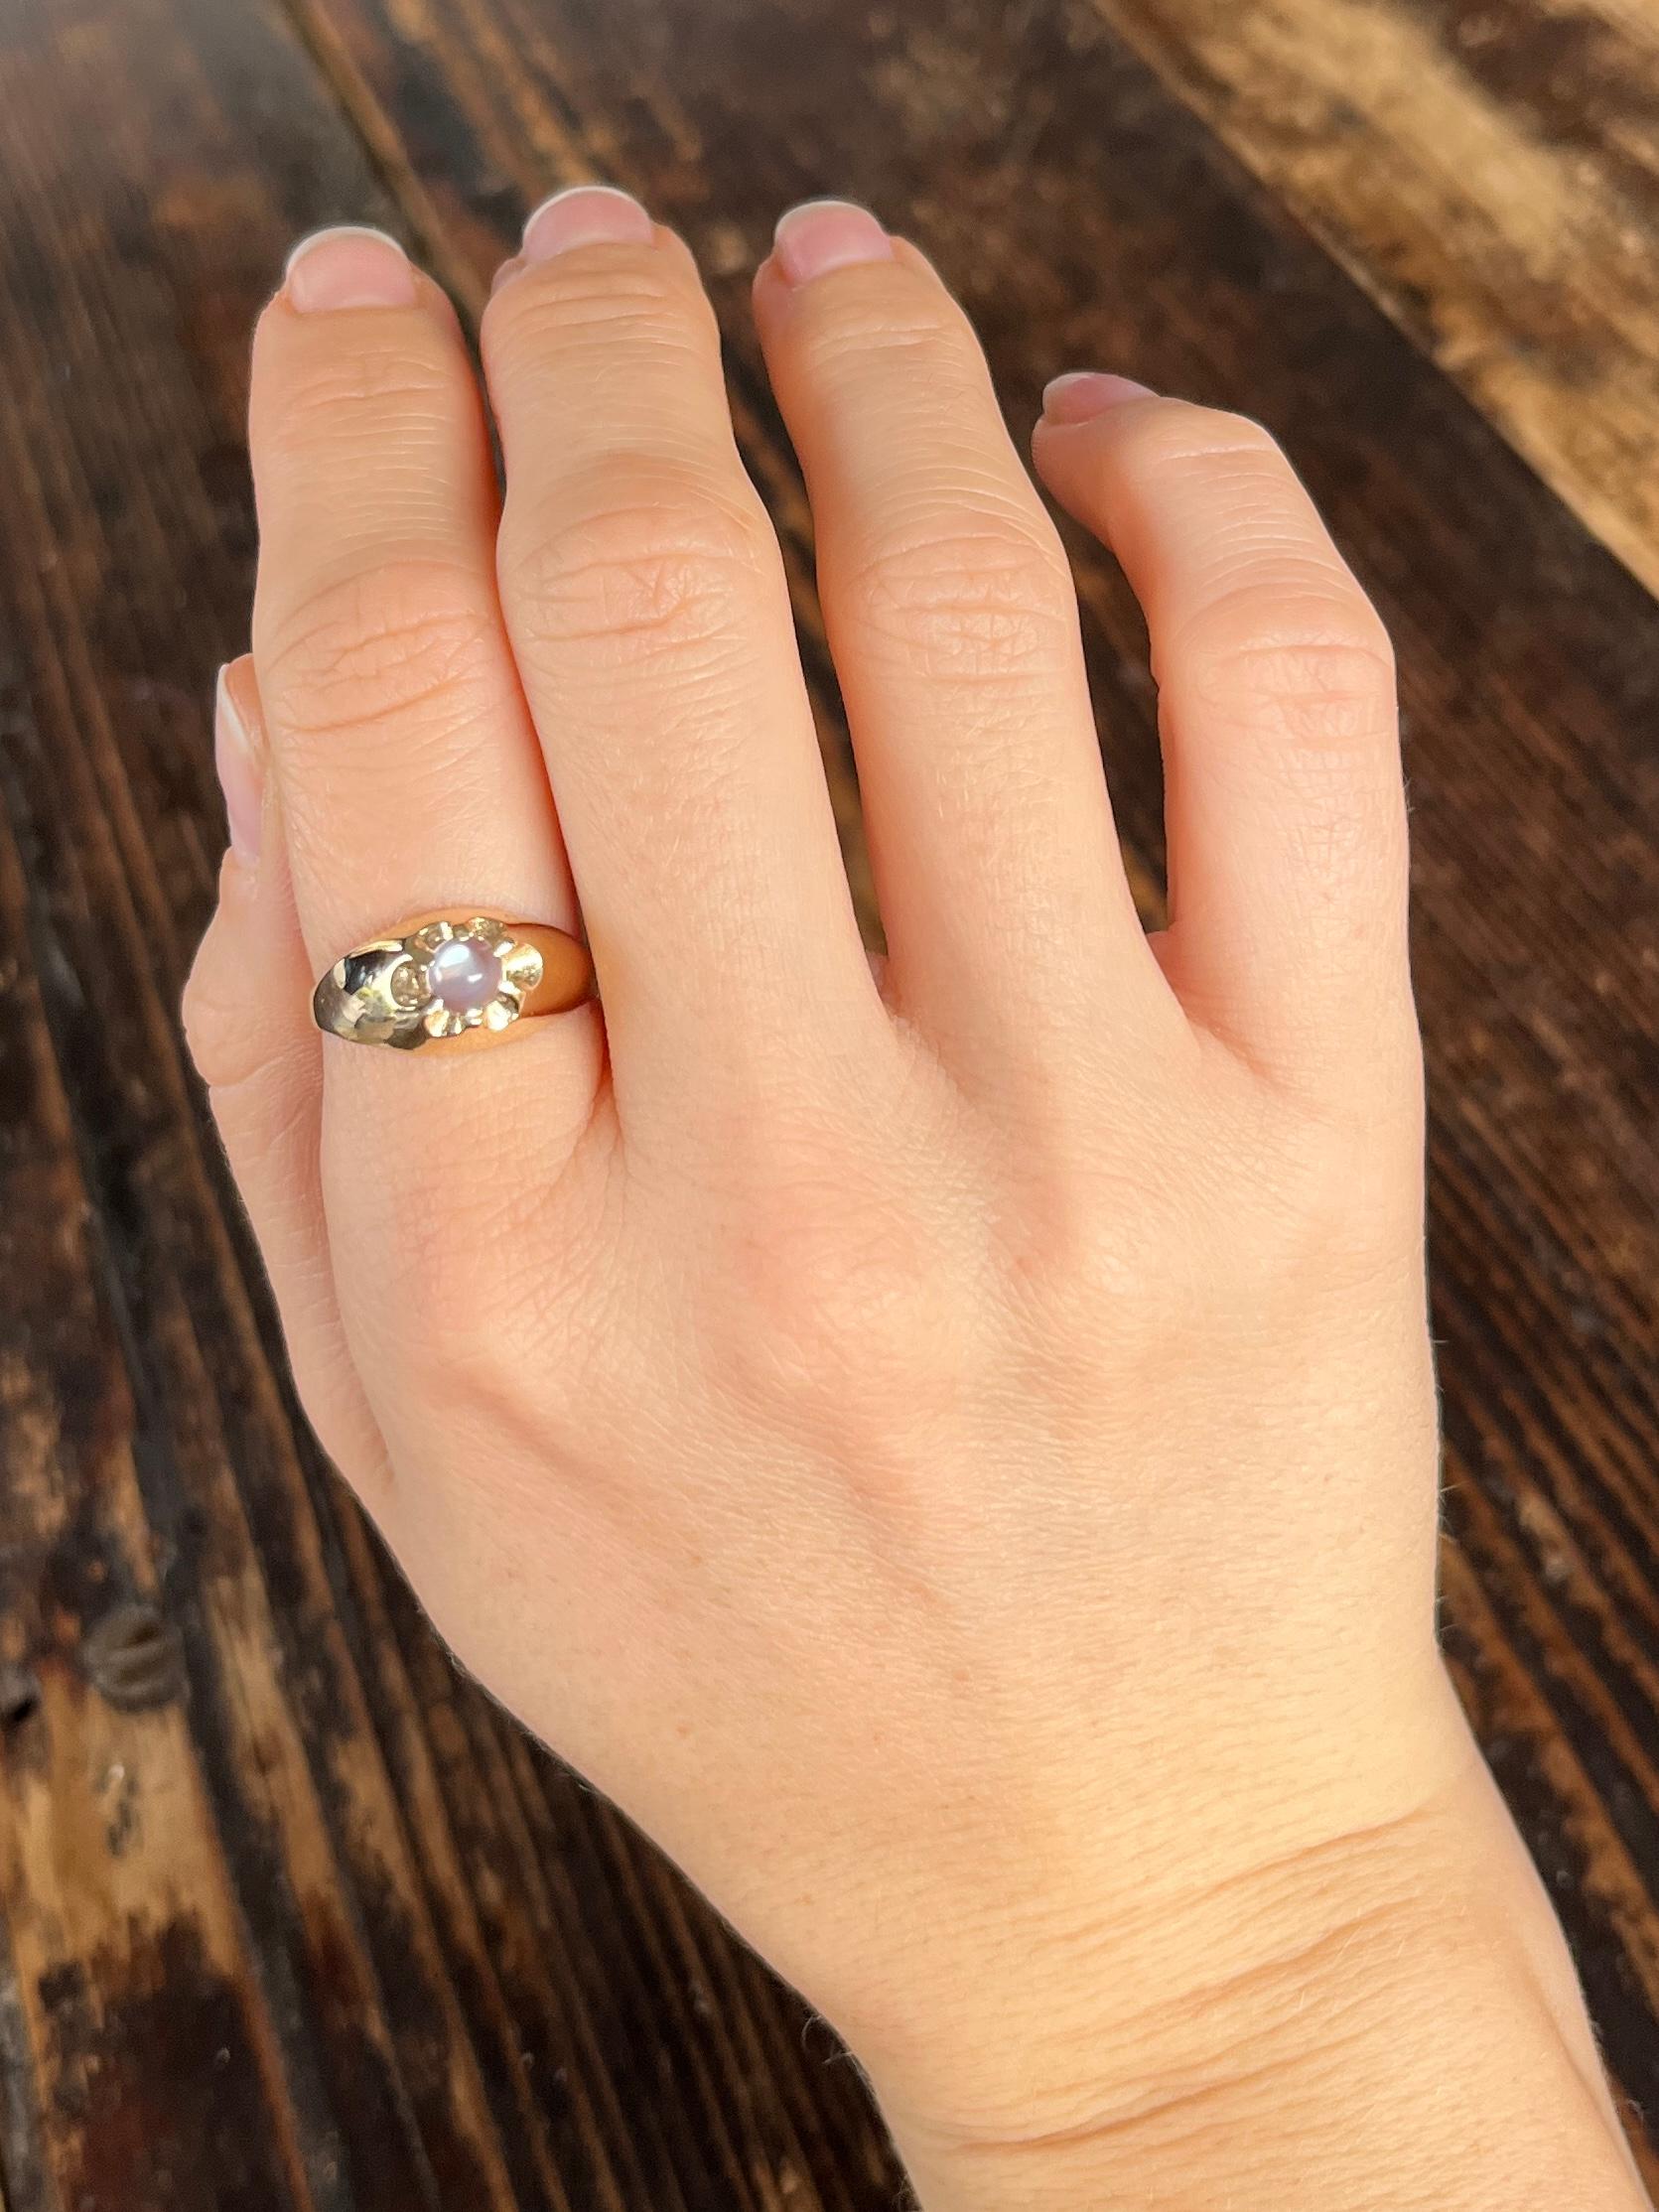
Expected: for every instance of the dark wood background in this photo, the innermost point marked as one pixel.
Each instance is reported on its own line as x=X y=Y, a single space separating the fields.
x=293 y=1917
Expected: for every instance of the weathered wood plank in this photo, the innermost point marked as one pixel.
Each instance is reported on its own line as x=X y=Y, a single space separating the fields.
x=1489 y=170
x=121 y=1950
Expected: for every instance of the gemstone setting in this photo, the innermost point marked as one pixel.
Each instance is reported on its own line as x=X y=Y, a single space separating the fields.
x=440 y=981
x=446 y=977
x=465 y=975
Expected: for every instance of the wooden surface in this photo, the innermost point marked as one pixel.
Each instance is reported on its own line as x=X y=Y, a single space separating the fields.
x=292 y=1918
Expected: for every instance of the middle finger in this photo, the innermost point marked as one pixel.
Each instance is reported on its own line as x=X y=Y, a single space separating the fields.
x=646 y=601
x=953 y=621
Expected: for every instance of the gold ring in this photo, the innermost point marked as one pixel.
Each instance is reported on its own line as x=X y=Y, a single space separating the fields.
x=458 y=979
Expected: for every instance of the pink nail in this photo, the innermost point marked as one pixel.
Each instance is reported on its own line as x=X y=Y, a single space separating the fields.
x=1085 y=393
x=349 y=266
x=241 y=773
x=585 y=216
x=824 y=235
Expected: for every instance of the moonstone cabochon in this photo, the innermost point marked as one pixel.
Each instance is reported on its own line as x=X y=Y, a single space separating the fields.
x=463 y=974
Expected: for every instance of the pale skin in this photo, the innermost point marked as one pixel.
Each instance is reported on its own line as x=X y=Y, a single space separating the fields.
x=949 y=1446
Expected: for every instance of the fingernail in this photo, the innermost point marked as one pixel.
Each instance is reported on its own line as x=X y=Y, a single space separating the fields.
x=824 y=235
x=349 y=266
x=242 y=771
x=585 y=216
x=1086 y=392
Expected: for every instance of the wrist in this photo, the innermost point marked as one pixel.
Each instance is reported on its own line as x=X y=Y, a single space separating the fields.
x=1394 y=2001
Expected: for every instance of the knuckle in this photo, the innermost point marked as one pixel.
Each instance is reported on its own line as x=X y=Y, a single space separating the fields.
x=977 y=592
x=1178 y=434
x=1343 y=1205
x=411 y=638
x=462 y=1371
x=1333 y=1168
x=1313 y=666
x=843 y=1304
x=642 y=556
x=468 y=1314
x=1085 y=1250
x=461 y=1346
x=335 y=393
x=868 y=336
x=566 y=309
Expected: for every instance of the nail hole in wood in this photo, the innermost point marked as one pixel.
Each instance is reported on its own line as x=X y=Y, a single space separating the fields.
x=131 y=1656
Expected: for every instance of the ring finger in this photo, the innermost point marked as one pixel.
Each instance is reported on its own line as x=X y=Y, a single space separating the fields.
x=401 y=745
x=408 y=770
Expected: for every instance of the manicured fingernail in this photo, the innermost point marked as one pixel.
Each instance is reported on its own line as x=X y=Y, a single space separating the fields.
x=824 y=235
x=349 y=266
x=1087 y=392
x=242 y=771
x=585 y=216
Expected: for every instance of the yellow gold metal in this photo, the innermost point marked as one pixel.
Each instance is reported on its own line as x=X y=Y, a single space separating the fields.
x=405 y=989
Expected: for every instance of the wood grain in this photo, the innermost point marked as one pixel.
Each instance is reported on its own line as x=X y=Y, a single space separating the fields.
x=291 y=1916
x=1489 y=169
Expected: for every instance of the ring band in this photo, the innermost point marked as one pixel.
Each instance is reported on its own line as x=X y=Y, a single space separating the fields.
x=458 y=979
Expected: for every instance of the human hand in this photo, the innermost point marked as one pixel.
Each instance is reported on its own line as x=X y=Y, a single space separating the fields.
x=951 y=1452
